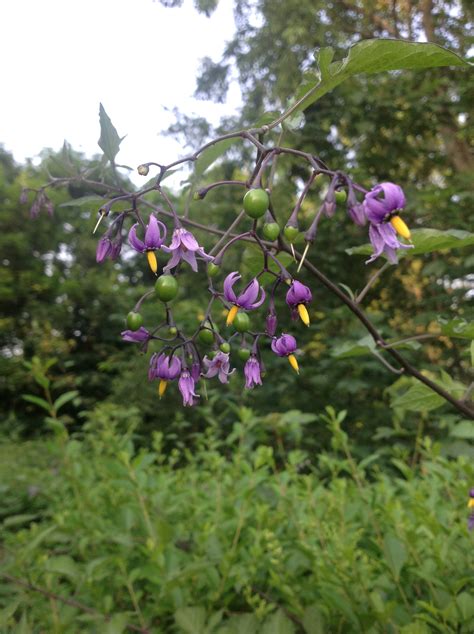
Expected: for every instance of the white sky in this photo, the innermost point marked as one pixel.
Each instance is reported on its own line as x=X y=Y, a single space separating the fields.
x=61 y=58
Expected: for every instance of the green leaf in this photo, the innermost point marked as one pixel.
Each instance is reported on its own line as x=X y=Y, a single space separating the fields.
x=62 y=565
x=191 y=619
x=278 y=623
x=472 y=354
x=83 y=201
x=375 y=56
x=41 y=402
x=18 y=520
x=211 y=154
x=109 y=141
x=464 y=429
x=457 y=328
x=363 y=346
x=324 y=58
x=252 y=264
x=426 y=241
x=418 y=398
x=313 y=620
x=65 y=398
x=117 y=624
x=395 y=554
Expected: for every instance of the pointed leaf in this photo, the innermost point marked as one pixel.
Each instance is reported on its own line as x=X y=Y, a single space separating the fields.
x=41 y=402
x=65 y=398
x=376 y=56
x=278 y=623
x=457 y=328
x=109 y=141
x=395 y=554
x=191 y=619
x=92 y=201
x=211 y=154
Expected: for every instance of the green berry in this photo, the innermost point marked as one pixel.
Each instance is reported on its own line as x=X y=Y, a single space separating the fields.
x=134 y=320
x=225 y=347
x=290 y=233
x=271 y=231
x=341 y=196
x=206 y=336
x=172 y=331
x=256 y=203
x=212 y=269
x=241 y=322
x=243 y=353
x=166 y=287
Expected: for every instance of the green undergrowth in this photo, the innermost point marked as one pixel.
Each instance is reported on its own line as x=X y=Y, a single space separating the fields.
x=229 y=537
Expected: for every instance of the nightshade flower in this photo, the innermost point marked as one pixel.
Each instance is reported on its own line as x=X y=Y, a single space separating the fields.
x=218 y=366
x=155 y=234
x=297 y=297
x=164 y=368
x=470 y=506
x=186 y=387
x=247 y=300
x=184 y=246
x=284 y=346
x=385 y=222
x=107 y=248
x=136 y=336
x=252 y=372
x=271 y=323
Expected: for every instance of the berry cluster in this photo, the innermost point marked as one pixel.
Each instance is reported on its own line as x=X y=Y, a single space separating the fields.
x=205 y=354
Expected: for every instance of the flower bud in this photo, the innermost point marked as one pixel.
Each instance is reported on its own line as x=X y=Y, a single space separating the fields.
x=143 y=170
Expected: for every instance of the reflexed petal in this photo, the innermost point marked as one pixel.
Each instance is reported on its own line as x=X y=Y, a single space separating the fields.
x=247 y=298
x=153 y=234
x=135 y=242
x=190 y=258
x=394 y=198
x=189 y=241
x=174 y=366
x=174 y=261
x=258 y=303
x=376 y=241
x=176 y=240
x=204 y=255
x=229 y=282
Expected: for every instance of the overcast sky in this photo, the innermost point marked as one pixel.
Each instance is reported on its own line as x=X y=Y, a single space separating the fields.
x=61 y=58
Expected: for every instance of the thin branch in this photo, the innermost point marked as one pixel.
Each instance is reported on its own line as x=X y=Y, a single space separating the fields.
x=371 y=282
x=67 y=601
x=362 y=317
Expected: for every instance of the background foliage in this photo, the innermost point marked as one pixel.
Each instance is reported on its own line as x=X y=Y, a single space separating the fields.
x=155 y=517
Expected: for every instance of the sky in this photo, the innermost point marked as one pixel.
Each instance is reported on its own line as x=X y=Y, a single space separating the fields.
x=60 y=59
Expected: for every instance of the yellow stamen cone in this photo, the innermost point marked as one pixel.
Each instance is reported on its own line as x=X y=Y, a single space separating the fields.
x=162 y=388
x=294 y=363
x=470 y=504
x=231 y=315
x=400 y=227
x=152 y=261
x=303 y=313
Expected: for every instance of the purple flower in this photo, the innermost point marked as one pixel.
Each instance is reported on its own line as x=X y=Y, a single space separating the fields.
x=136 y=336
x=379 y=209
x=355 y=209
x=107 y=248
x=186 y=387
x=383 y=238
x=470 y=506
x=246 y=300
x=297 y=297
x=164 y=367
x=252 y=372
x=271 y=323
x=284 y=346
x=184 y=246
x=104 y=248
x=382 y=206
x=219 y=365
x=155 y=234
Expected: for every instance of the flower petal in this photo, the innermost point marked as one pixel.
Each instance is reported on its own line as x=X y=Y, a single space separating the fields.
x=135 y=242
x=229 y=282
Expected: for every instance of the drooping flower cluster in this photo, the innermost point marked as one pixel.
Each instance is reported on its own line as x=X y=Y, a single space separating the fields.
x=184 y=358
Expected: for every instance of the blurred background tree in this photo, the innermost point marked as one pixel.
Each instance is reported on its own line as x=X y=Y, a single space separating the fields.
x=411 y=128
